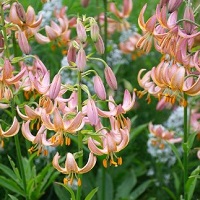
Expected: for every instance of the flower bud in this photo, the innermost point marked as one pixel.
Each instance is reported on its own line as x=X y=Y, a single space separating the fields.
x=1 y=43
x=99 y=87
x=173 y=5
x=85 y=3
x=55 y=87
x=81 y=59
x=20 y=12
x=81 y=32
x=23 y=43
x=92 y=112
x=110 y=78
x=71 y=55
x=99 y=45
x=188 y=15
x=94 y=31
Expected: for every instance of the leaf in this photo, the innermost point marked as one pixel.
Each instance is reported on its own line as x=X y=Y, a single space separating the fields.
x=174 y=149
x=12 y=197
x=191 y=140
x=104 y=182
x=61 y=192
x=137 y=131
x=7 y=171
x=11 y=185
x=191 y=182
x=171 y=194
x=176 y=182
x=140 y=189
x=91 y=194
x=69 y=190
x=127 y=185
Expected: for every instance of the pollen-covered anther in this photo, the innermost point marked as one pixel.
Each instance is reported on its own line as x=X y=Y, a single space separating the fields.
x=105 y=164
x=119 y=161
x=65 y=181
x=162 y=146
x=112 y=162
x=2 y=144
x=45 y=152
x=67 y=141
x=79 y=182
x=183 y=102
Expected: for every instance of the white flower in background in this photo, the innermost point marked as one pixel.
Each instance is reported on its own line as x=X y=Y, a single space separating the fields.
x=47 y=10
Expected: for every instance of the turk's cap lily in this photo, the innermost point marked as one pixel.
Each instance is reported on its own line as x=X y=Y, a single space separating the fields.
x=188 y=15
x=173 y=5
x=71 y=168
x=13 y=130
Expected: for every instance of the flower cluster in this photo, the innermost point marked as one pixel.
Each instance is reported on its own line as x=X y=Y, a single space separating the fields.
x=53 y=112
x=178 y=71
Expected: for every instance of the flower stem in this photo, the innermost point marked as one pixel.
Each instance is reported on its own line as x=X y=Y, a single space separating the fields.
x=6 y=49
x=80 y=138
x=105 y=29
x=185 y=149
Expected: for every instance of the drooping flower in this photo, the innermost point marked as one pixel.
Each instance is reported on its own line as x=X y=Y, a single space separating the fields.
x=71 y=168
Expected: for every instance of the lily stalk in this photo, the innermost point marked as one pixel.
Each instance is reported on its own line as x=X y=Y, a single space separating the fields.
x=185 y=149
x=80 y=138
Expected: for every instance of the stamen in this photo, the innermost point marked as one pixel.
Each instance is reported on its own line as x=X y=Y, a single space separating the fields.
x=105 y=163
x=119 y=161
x=79 y=182
x=67 y=141
x=65 y=181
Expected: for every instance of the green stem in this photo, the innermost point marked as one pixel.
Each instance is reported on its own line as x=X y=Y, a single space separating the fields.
x=19 y=155
x=6 y=49
x=105 y=29
x=185 y=149
x=80 y=138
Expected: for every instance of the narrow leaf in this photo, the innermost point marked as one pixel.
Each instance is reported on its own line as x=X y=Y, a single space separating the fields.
x=170 y=193
x=12 y=197
x=69 y=190
x=91 y=194
x=174 y=149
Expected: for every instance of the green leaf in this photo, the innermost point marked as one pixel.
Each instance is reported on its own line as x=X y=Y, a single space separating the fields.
x=127 y=185
x=11 y=185
x=176 y=182
x=174 y=149
x=140 y=190
x=7 y=171
x=61 y=192
x=69 y=190
x=91 y=194
x=191 y=182
x=15 y=169
x=16 y=59
x=137 y=131
x=12 y=197
x=106 y=185
x=191 y=140
x=171 y=194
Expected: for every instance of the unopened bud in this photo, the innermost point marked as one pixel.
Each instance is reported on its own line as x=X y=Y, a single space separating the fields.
x=85 y=3
x=71 y=55
x=173 y=5
x=81 y=59
x=20 y=12
x=23 y=43
x=99 y=87
x=92 y=112
x=1 y=43
x=99 y=45
x=81 y=32
x=188 y=15
x=55 y=87
x=94 y=32
x=110 y=78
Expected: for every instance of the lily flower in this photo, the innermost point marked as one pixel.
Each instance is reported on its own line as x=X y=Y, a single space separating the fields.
x=161 y=135
x=13 y=130
x=71 y=168
x=109 y=146
x=39 y=141
x=62 y=125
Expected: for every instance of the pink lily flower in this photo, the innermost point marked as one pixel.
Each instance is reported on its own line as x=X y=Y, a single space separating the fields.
x=109 y=146
x=39 y=141
x=13 y=130
x=71 y=168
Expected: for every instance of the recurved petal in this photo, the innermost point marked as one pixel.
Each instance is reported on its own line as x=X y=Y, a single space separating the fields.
x=178 y=79
x=26 y=131
x=89 y=165
x=94 y=149
x=128 y=101
x=70 y=164
x=56 y=164
x=13 y=130
x=141 y=18
x=46 y=120
x=125 y=139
